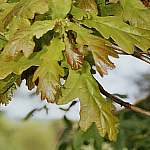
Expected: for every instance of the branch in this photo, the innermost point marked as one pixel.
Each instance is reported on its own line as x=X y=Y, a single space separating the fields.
x=122 y=103
x=67 y=109
x=30 y=114
x=140 y=55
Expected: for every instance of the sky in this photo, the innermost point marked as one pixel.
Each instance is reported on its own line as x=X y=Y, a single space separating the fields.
x=120 y=80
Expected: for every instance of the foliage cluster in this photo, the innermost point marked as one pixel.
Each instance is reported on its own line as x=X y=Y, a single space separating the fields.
x=46 y=41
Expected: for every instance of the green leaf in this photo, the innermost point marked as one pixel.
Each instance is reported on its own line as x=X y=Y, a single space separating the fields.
x=19 y=65
x=28 y=8
x=25 y=9
x=136 y=13
x=94 y=108
x=16 y=25
x=59 y=8
x=41 y=27
x=7 y=87
x=22 y=39
x=49 y=71
x=5 y=9
x=78 y=13
x=97 y=46
x=126 y=36
x=111 y=9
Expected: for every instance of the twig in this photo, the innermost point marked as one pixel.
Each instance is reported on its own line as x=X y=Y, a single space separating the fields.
x=140 y=55
x=122 y=103
x=67 y=109
x=30 y=114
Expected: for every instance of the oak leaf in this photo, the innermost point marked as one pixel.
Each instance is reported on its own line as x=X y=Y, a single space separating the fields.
x=136 y=13
x=94 y=108
x=21 y=40
x=126 y=36
x=98 y=46
x=49 y=72
x=60 y=8
x=24 y=8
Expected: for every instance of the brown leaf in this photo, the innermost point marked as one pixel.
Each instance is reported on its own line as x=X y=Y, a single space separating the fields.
x=88 y=5
x=99 y=47
x=146 y=3
x=101 y=56
x=73 y=54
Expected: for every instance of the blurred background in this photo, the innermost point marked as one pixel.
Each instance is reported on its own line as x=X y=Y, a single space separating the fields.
x=28 y=123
